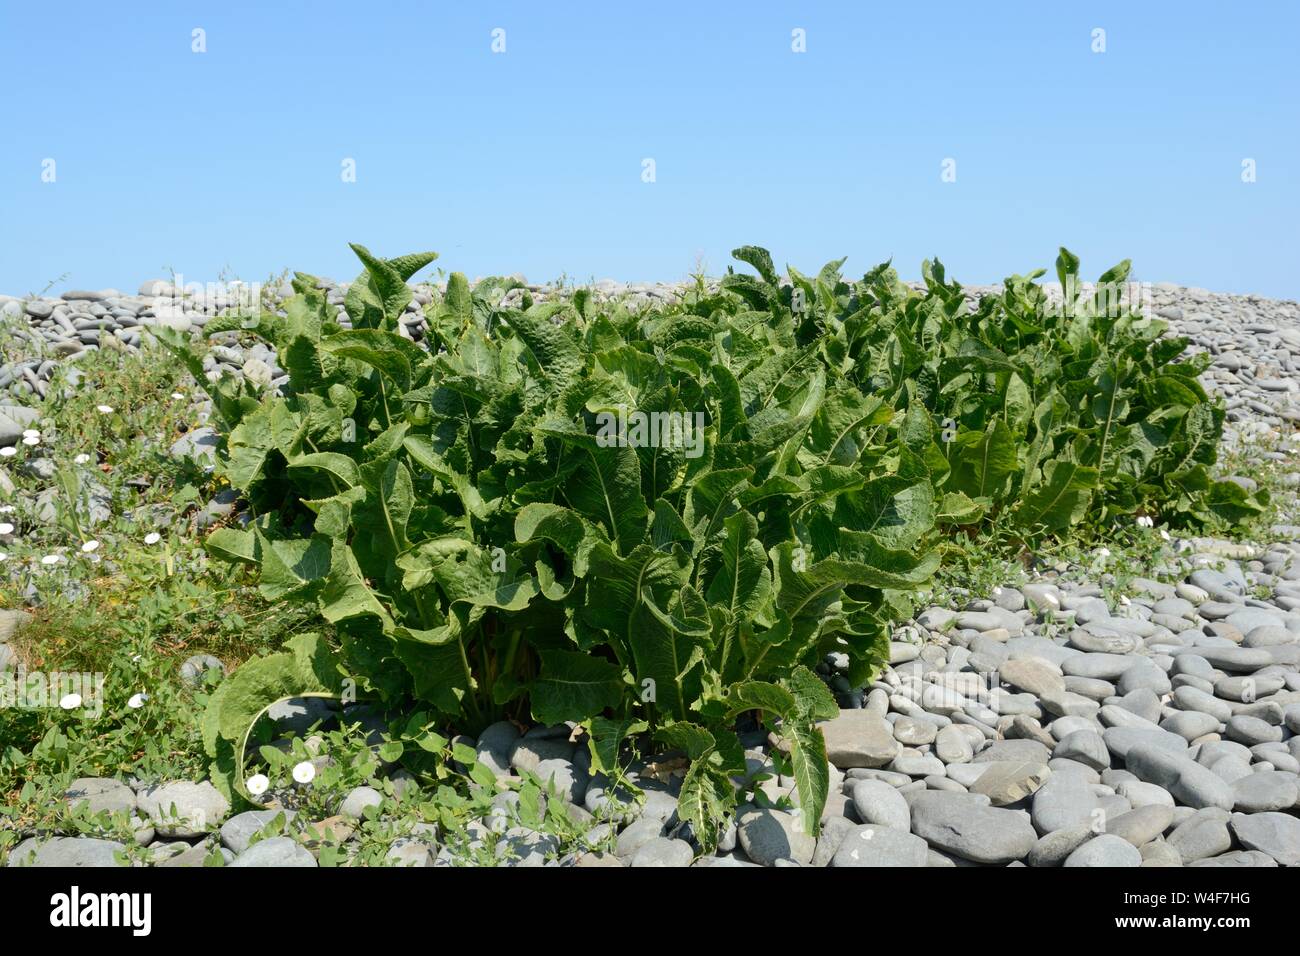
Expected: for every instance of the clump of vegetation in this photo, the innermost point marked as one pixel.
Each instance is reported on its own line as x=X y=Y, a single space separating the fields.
x=655 y=522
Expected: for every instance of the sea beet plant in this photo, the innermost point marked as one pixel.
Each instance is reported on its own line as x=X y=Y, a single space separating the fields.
x=657 y=522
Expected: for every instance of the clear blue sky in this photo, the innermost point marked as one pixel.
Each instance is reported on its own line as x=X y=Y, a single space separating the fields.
x=530 y=160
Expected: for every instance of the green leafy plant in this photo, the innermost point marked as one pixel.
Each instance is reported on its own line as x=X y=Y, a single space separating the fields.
x=655 y=522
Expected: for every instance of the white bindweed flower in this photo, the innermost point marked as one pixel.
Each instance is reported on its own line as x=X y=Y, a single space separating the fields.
x=1124 y=600
x=177 y=395
x=7 y=509
x=51 y=559
x=8 y=451
x=137 y=700
x=3 y=557
x=104 y=409
x=153 y=537
x=81 y=459
x=89 y=546
x=70 y=701
x=6 y=528
x=1164 y=534
x=257 y=784
x=1103 y=552
x=31 y=440
x=31 y=433
x=304 y=772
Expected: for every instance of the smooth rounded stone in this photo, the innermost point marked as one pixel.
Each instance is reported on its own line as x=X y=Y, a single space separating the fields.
x=1090 y=687
x=864 y=773
x=1268 y=635
x=943 y=783
x=1191 y=784
x=1030 y=751
x=1053 y=848
x=832 y=835
x=1277 y=834
x=354 y=804
x=1038 y=646
x=966 y=774
x=276 y=851
x=858 y=738
x=1197 y=683
x=405 y=852
x=636 y=835
x=770 y=835
x=1108 y=667
x=193 y=669
x=1205 y=833
x=993 y=619
x=1239 y=660
x=953 y=745
x=1158 y=853
x=902 y=653
x=936 y=618
x=1114 y=642
x=1190 y=724
x=1237 y=858
x=101 y=795
x=1105 y=850
x=1042 y=596
x=237 y=832
x=495 y=745
x=1085 y=747
x=1063 y=765
x=1212 y=751
x=1251 y=618
x=1144 y=676
x=1194 y=665
x=1140 y=794
x=1005 y=704
x=1009 y=599
x=67 y=852
x=1291 y=717
x=1217 y=610
x=877 y=802
x=1028 y=728
x=662 y=851
x=182 y=808
x=913 y=732
x=1062 y=727
x=1174 y=606
x=875 y=844
x=1033 y=675
x=1191 y=592
x=529 y=752
x=1065 y=800
x=1065 y=704
x=1231 y=769
x=1251 y=730
x=570 y=782
x=917 y=764
x=965 y=825
x=1112 y=778
x=1010 y=781
x=1266 y=791
x=1248 y=690
x=1175 y=625
x=1269 y=711
x=1192 y=699
x=1089 y=609
x=1140 y=825
x=1143 y=702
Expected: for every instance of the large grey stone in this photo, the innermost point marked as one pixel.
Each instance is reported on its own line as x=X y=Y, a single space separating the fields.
x=1277 y=834
x=875 y=845
x=182 y=808
x=858 y=738
x=1189 y=782
x=770 y=835
x=66 y=852
x=964 y=825
x=276 y=851
x=1105 y=850
x=877 y=802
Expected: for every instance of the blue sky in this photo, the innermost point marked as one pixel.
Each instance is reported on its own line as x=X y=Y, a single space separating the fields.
x=531 y=160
